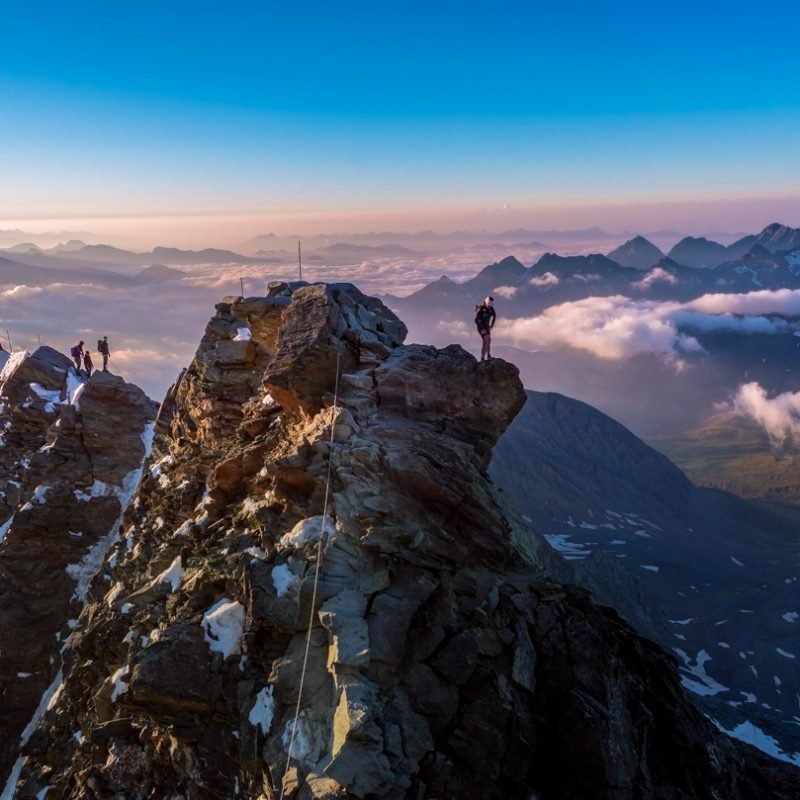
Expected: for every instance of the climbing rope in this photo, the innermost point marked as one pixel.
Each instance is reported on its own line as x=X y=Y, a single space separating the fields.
x=320 y=548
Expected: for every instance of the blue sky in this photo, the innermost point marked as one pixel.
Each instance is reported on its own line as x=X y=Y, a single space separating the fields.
x=183 y=108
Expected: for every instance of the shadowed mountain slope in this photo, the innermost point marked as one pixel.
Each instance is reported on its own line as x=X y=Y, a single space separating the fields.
x=724 y=570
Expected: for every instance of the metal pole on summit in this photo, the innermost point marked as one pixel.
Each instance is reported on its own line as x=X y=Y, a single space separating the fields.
x=299 y=260
x=8 y=336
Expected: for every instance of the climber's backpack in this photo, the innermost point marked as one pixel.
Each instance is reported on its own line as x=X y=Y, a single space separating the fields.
x=75 y=352
x=482 y=317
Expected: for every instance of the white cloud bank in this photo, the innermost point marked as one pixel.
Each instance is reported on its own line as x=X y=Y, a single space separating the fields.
x=656 y=275
x=779 y=416
x=619 y=327
x=609 y=327
x=548 y=279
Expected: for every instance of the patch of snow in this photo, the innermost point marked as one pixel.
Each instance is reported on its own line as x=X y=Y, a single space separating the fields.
x=184 y=529
x=155 y=470
x=307 y=531
x=681 y=621
x=589 y=526
x=256 y=552
x=24 y=674
x=617 y=541
x=650 y=567
x=789 y=616
x=571 y=551
x=736 y=561
x=784 y=653
x=777 y=681
x=76 y=396
x=263 y=710
x=173 y=574
x=125 y=608
x=47 y=701
x=5 y=526
x=223 y=624
x=704 y=684
x=75 y=385
x=724 y=645
x=749 y=697
x=754 y=671
x=40 y=795
x=642 y=534
x=52 y=397
x=302 y=738
x=283 y=579
x=39 y=495
x=11 y=783
x=242 y=335
x=120 y=685
x=747 y=732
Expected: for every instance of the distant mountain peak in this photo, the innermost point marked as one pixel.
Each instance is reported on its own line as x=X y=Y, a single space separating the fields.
x=699 y=252
x=637 y=252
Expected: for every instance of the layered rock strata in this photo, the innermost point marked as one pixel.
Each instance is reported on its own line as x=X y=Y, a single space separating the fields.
x=442 y=661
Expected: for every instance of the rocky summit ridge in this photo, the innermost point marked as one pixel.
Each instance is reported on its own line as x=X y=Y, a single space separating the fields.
x=316 y=486
x=71 y=453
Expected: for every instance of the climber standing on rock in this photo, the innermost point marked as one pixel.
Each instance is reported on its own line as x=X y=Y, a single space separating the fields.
x=485 y=318
x=102 y=348
x=87 y=364
x=76 y=351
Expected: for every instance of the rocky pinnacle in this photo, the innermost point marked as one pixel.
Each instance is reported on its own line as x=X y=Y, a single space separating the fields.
x=444 y=662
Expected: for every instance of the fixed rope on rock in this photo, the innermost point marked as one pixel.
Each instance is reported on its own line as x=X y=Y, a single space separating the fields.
x=320 y=549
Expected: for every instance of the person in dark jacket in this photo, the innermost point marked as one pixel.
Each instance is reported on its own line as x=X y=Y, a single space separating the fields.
x=87 y=363
x=77 y=355
x=485 y=318
x=103 y=349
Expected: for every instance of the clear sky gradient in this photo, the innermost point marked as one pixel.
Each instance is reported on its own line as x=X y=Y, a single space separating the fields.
x=302 y=114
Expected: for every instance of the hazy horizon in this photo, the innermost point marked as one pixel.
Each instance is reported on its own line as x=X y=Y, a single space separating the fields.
x=731 y=217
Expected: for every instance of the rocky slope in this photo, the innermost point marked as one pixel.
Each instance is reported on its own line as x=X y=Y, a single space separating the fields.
x=70 y=456
x=363 y=539
x=642 y=537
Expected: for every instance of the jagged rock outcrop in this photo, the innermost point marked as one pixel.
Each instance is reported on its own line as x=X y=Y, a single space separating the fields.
x=442 y=662
x=70 y=453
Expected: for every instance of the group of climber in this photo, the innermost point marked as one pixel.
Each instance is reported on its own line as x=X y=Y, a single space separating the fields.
x=83 y=358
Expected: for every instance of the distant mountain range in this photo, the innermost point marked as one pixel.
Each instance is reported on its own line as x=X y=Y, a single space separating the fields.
x=15 y=271
x=768 y=260
x=76 y=254
x=724 y=570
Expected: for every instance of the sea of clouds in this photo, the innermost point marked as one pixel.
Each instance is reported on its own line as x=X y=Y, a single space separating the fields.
x=154 y=329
